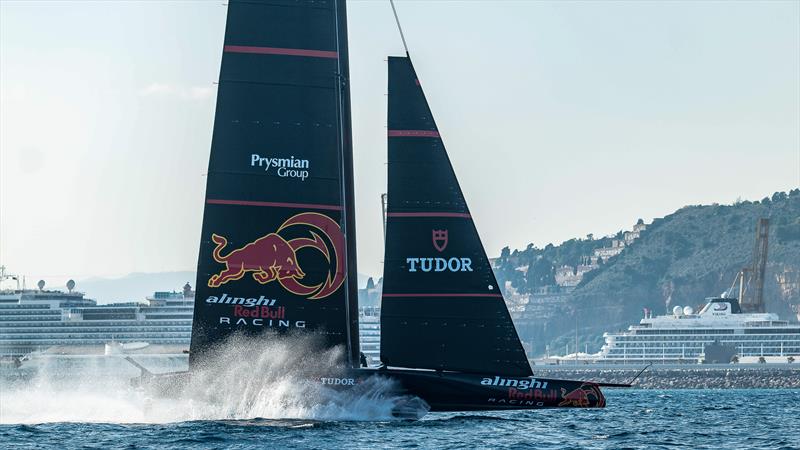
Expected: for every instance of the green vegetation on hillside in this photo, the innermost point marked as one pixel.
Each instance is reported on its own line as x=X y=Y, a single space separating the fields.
x=680 y=259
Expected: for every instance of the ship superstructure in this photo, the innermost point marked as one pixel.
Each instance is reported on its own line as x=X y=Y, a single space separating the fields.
x=369 y=333
x=685 y=336
x=56 y=322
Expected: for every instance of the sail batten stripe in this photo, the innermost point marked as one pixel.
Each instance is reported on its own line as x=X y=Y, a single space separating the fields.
x=413 y=133
x=280 y=51
x=429 y=214
x=444 y=295
x=212 y=201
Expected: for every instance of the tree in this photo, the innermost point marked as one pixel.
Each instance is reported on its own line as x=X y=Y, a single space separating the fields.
x=541 y=273
x=761 y=360
x=790 y=359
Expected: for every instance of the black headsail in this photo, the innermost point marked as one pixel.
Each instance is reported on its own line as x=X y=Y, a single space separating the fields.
x=277 y=249
x=442 y=308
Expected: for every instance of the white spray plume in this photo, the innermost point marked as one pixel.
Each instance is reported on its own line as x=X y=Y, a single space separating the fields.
x=241 y=378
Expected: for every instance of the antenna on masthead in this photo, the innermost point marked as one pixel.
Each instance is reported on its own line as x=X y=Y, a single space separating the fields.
x=399 y=28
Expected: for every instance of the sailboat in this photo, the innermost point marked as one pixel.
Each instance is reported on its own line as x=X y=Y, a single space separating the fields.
x=277 y=253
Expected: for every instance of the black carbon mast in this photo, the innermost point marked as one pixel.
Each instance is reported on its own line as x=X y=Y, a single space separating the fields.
x=277 y=250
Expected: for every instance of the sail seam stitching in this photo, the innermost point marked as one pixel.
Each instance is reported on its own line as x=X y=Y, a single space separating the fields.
x=273 y=204
x=443 y=295
x=430 y=214
x=414 y=133
x=280 y=51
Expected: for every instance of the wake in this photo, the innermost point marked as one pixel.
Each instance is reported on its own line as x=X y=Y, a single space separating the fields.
x=242 y=380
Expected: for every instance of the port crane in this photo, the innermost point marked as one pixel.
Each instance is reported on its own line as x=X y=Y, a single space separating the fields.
x=751 y=278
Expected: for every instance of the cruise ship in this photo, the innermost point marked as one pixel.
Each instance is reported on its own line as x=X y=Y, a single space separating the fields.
x=42 y=323
x=52 y=322
x=57 y=323
x=720 y=328
x=369 y=333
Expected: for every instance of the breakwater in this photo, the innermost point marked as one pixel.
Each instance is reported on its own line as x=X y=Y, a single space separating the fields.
x=693 y=377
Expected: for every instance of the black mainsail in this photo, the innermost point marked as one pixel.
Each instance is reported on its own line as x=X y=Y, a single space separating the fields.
x=442 y=308
x=277 y=250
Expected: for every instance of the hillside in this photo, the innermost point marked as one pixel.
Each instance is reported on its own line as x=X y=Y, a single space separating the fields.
x=680 y=259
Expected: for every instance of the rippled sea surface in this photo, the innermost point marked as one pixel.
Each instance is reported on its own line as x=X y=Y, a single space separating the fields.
x=713 y=419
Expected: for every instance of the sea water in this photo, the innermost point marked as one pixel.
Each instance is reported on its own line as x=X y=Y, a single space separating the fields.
x=712 y=419
x=249 y=401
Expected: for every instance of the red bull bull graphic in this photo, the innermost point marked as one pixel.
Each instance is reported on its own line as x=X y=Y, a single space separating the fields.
x=582 y=397
x=547 y=393
x=274 y=258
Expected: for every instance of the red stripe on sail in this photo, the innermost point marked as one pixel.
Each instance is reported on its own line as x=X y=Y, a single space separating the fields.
x=443 y=295
x=413 y=133
x=212 y=201
x=430 y=214
x=280 y=51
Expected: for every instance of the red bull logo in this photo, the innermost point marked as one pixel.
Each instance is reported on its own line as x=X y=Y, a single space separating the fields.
x=586 y=395
x=274 y=258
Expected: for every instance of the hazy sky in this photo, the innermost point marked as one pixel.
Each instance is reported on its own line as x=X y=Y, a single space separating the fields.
x=561 y=119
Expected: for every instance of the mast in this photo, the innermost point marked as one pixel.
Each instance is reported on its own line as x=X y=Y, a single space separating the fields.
x=348 y=194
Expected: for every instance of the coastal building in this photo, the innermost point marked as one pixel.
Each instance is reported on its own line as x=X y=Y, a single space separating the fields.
x=617 y=246
x=568 y=276
x=635 y=233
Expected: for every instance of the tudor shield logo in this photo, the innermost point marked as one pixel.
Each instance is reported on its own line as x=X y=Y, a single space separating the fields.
x=273 y=257
x=439 y=240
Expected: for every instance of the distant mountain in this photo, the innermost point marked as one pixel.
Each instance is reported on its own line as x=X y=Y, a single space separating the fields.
x=137 y=286
x=133 y=287
x=680 y=259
